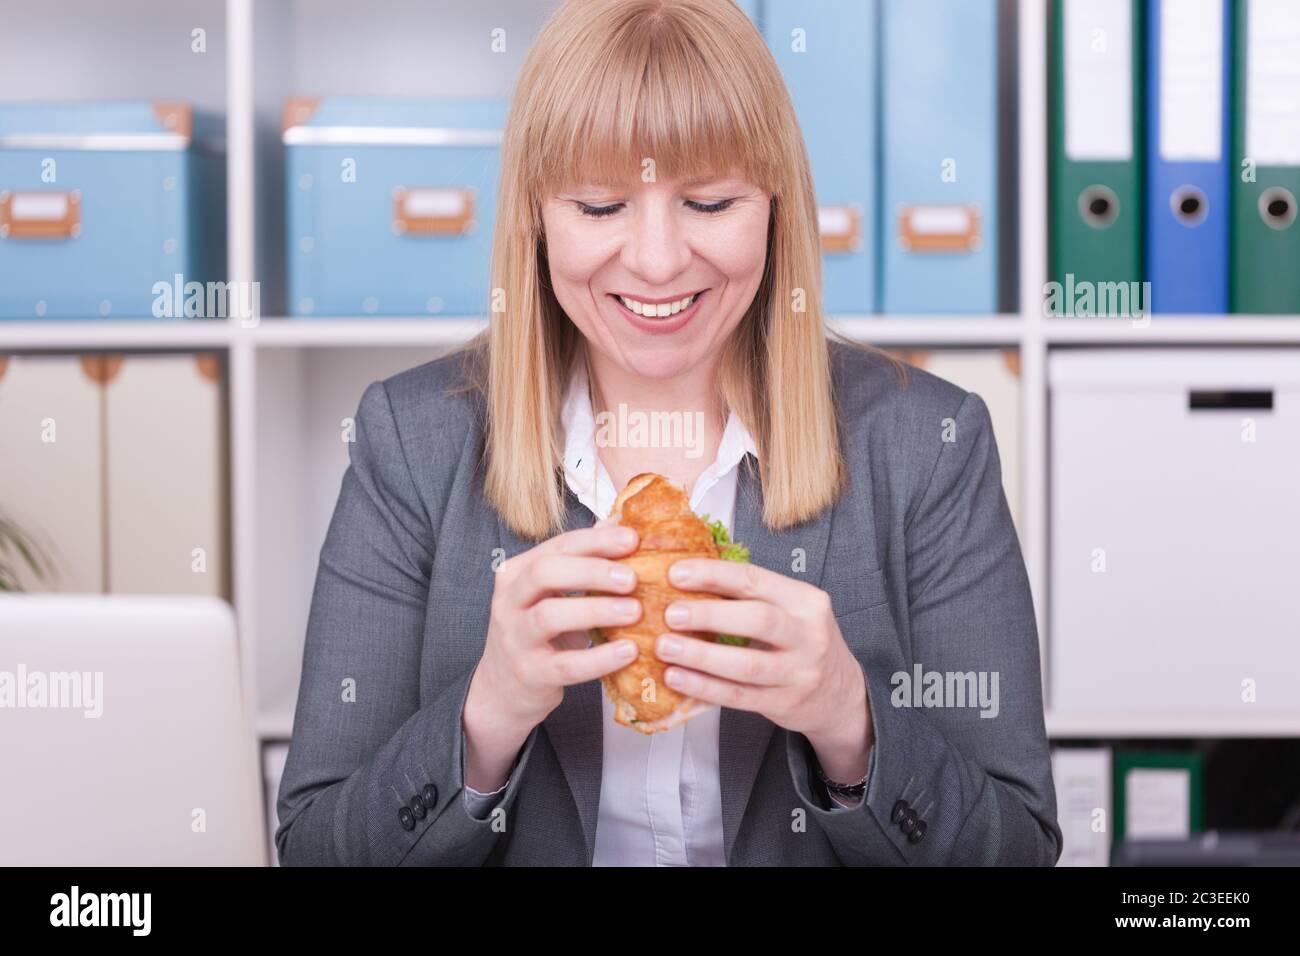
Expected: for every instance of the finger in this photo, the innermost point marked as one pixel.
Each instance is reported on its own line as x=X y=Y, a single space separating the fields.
x=577 y=667
x=610 y=540
x=717 y=690
x=737 y=579
x=553 y=616
x=745 y=665
x=758 y=619
x=560 y=573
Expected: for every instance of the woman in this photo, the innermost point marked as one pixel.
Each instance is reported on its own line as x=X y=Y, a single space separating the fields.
x=657 y=249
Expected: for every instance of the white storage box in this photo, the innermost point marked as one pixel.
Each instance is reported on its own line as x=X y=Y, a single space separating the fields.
x=1175 y=532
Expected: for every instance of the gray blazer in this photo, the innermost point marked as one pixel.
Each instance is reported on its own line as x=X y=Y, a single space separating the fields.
x=920 y=559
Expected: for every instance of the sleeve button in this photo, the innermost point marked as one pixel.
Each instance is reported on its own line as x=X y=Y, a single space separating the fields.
x=430 y=796
x=900 y=808
x=918 y=833
x=406 y=818
x=417 y=807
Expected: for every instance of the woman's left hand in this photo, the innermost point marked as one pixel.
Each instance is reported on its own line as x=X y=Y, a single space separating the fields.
x=807 y=681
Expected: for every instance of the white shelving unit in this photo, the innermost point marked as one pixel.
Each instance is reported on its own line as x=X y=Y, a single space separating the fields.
x=293 y=381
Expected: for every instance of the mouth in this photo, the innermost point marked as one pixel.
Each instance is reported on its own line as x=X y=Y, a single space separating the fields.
x=659 y=318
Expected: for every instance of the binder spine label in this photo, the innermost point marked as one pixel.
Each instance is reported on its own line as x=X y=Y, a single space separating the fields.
x=1273 y=82
x=1098 y=79
x=1191 y=81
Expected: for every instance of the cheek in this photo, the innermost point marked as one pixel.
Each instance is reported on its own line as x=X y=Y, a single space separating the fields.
x=574 y=253
x=740 y=249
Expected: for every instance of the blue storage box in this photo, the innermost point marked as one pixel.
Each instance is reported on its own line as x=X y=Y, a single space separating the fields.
x=391 y=204
x=103 y=204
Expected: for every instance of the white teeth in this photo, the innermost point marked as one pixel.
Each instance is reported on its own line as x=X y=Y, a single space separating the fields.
x=658 y=311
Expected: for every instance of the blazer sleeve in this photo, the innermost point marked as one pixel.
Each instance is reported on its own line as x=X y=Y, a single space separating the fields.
x=981 y=786
x=363 y=746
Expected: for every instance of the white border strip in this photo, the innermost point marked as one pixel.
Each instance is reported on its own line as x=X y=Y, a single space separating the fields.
x=95 y=141
x=390 y=136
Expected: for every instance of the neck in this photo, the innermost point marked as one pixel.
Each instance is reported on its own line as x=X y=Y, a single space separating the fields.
x=668 y=426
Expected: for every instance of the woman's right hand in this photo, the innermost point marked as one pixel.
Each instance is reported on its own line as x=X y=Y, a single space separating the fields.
x=537 y=640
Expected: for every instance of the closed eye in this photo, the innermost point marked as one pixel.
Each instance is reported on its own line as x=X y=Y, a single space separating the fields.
x=600 y=212
x=712 y=208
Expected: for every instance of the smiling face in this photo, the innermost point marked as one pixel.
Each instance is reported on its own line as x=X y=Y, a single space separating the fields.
x=657 y=275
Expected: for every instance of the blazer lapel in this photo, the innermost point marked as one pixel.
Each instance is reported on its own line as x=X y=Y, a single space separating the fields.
x=573 y=728
x=744 y=735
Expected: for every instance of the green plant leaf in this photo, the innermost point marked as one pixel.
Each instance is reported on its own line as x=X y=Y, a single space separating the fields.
x=14 y=540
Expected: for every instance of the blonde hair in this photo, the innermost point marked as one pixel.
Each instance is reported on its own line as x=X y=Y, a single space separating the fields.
x=692 y=85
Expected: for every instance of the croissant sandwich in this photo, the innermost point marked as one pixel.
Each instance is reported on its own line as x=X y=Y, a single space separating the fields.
x=669 y=531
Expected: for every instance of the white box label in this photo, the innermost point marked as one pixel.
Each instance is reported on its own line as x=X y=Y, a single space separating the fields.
x=43 y=207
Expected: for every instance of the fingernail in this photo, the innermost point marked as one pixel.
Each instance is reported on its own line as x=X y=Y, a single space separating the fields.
x=680 y=573
x=669 y=646
x=676 y=615
x=629 y=608
x=627 y=651
x=673 y=677
x=622 y=576
x=626 y=537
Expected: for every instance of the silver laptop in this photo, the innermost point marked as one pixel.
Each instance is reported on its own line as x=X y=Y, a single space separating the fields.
x=123 y=739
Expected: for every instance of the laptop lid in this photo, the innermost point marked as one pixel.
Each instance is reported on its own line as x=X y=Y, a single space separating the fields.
x=122 y=734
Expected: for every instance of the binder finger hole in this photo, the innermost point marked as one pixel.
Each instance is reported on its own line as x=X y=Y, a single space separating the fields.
x=1099 y=206
x=1277 y=207
x=1189 y=205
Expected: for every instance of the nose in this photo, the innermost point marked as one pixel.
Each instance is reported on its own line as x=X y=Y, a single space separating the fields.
x=656 y=247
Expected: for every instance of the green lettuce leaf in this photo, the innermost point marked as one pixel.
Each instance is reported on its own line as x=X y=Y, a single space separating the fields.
x=729 y=551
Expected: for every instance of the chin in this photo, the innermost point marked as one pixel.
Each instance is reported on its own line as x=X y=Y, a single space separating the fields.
x=658 y=362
